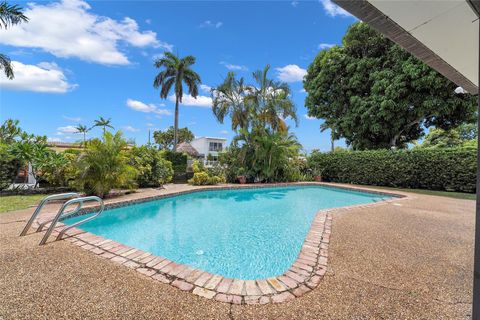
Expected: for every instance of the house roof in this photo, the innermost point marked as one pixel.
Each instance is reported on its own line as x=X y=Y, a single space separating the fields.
x=443 y=34
x=187 y=148
x=211 y=138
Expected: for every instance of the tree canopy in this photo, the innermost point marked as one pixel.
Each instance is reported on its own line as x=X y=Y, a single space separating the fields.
x=376 y=95
x=165 y=139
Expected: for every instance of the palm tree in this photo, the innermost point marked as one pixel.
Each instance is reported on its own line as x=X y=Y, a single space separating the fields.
x=101 y=122
x=229 y=100
x=83 y=129
x=265 y=103
x=176 y=71
x=9 y=15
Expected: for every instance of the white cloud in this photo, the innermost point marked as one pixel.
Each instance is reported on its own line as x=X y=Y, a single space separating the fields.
x=210 y=24
x=66 y=129
x=234 y=67
x=74 y=119
x=291 y=73
x=205 y=88
x=294 y=4
x=333 y=10
x=147 y=108
x=43 y=77
x=303 y=90
x=69 y=29
x=306 y=116
x=150 y=124
x=54 y=139
x=130 y=129
x=224 y=132
x=188 y=100
x=323 y=46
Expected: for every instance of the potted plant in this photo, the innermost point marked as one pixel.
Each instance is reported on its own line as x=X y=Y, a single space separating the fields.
x=317 y=174
x=242 y=179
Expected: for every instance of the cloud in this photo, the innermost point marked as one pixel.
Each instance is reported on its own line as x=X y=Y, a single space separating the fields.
x=205 y=88
x=306 y=116
x=210 y=24
x=69 y=29
x=188 y=100
x=54 y=139
x=323 y=46
x=224 y=132
x=43 y=77
x=130 y=129
x=291 y=73
x=302 y=90
x=74 y=119
x=333 y=10
x=66 y=129
x=234 y=67
x=149 y=124
x=147 y=108
x=294 y=3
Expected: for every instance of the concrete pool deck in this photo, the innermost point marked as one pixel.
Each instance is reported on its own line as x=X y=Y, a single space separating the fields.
x=408 y=259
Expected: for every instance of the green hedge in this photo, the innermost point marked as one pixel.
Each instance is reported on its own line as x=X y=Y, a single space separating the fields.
x=178 y=160
x=435 y=169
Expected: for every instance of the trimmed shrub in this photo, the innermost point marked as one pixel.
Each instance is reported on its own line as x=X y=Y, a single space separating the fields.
x=435 y=169
x=178 y=160
x=153 y=169
x=202 y=177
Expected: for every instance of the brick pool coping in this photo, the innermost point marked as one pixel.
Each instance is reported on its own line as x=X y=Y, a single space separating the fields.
x=303 y=276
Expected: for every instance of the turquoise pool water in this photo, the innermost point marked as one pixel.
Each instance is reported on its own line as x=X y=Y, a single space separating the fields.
x=243 y=234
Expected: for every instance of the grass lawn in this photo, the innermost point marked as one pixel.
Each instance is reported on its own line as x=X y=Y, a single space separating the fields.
x=10 y=203
x=456 y=195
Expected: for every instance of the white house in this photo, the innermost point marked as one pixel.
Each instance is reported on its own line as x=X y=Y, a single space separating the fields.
x=209 y=148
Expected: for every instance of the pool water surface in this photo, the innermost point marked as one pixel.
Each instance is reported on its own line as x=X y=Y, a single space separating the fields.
x=237 y=233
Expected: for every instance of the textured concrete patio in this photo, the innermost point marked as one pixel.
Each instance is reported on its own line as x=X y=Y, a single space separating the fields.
x=409 y=260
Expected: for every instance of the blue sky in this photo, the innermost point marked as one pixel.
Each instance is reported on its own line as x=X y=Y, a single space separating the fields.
x=76 y=61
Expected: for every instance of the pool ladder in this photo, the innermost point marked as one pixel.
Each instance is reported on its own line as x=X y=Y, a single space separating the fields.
x=74 y=199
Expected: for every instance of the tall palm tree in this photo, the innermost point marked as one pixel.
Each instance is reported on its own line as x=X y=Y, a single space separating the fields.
x=102 y=122
x=9 y=15
x=83 y=129
x=176 y=71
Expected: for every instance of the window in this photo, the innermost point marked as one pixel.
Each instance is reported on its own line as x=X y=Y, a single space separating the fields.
x=215 y=146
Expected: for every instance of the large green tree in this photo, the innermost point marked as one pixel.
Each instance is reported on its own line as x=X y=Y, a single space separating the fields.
x=10 y=15
x=376 y=95
x=175 y=72
x=165 y=139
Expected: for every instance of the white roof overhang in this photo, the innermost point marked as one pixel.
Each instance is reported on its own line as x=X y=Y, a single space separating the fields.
x=442 y=33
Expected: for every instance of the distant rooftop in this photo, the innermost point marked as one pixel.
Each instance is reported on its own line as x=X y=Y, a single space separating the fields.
x=213 y=138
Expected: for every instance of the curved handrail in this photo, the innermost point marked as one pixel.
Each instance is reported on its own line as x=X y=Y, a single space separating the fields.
x=42 y=203
x=65 y=205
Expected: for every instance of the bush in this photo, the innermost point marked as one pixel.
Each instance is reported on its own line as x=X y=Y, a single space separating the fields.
x=435 y=169
x=178 y=160
x=202 y=177
x=153 y=169
x=104 y=166
x=8 y=167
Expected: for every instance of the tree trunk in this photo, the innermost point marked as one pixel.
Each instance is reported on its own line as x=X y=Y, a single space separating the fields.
x=175 y=128
x=332 y=141
x=84 y=140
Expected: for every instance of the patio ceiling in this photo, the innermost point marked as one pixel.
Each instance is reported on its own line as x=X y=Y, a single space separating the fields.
x=443 y=34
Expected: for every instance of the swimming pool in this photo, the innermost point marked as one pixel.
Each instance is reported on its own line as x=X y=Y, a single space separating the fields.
x=240 y=233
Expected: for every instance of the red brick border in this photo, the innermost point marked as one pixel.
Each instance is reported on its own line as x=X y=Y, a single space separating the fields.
x=303 y=276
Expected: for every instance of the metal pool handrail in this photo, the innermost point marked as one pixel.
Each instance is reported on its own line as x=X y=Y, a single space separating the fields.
x=61 y=196
x=80 y=201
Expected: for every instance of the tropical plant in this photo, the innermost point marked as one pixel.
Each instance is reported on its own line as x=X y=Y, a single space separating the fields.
x=176 y=71
x=463 y=135
x=10 y=15
x=83 y=129
x=104 y=123
x=265 y=103
x=9 y=131
x=8 y=167
x=153 y=169
x=376 y=95
x=105 y=165
x=165 y=139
